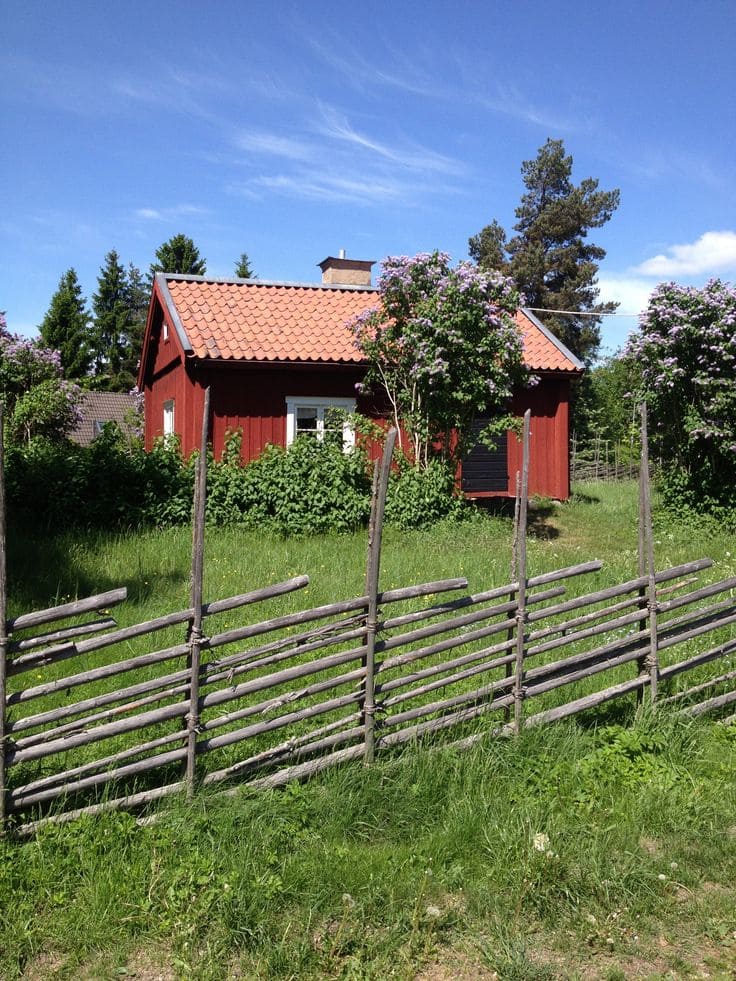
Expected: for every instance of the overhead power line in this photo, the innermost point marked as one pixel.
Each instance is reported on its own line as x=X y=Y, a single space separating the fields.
x=580 y=313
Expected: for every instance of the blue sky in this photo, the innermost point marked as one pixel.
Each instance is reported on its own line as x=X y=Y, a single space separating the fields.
x=291 y=130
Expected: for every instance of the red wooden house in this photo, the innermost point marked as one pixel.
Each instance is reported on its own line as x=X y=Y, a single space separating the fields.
x=278 y=356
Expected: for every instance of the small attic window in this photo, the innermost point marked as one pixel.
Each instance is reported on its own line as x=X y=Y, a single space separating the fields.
x=165 y=330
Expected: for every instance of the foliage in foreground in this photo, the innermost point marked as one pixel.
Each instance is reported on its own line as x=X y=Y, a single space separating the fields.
x=589 y=837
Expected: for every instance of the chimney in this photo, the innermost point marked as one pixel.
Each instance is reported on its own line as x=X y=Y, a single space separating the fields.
x=339 y=271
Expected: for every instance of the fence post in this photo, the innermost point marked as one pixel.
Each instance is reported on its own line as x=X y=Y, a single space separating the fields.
x=521 y=570
x=508 y=670
x=3 y=622
x=373 y=566
x=195 y=630
x=646 y=540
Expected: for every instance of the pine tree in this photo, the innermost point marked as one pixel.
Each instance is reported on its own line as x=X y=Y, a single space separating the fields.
x=179 y=255
x=111 y=323
x=243 y=268
x=549 y=258
x=66 y=327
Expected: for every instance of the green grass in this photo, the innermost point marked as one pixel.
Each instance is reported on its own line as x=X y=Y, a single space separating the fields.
x=425 y=861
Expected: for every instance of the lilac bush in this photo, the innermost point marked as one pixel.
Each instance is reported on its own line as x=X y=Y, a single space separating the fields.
x=442 y=343
x=37 y=400
x=686 y=350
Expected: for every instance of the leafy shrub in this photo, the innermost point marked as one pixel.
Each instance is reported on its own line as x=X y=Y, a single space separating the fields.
x=420 y=497
x=308 y=488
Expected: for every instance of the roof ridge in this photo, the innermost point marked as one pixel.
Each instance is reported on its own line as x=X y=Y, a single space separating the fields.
x=234 y=281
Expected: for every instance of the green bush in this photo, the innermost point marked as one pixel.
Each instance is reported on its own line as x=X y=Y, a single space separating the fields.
x=418 y=497
x=309 y=488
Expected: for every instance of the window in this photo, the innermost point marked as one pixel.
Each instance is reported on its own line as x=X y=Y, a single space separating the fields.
x=165 y=330
x=169 y=417
x=320 y=418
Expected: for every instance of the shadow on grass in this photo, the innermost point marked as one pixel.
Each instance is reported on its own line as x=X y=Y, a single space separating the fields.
x=540 y=509
x=42 y=572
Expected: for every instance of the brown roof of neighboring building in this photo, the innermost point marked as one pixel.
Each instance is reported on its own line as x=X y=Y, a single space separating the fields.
x=97 y=408
x=236 y=320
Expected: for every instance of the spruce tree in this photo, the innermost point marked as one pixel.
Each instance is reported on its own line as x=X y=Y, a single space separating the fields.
x=179 y=255
x=111 y=323
x=137 y=297
x=243 y=268
x=549 y=258
x=66 y=327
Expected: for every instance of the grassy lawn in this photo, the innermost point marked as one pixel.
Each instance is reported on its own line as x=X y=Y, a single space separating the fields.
x=591 y=850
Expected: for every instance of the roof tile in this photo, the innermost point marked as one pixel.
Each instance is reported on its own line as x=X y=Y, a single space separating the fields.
x=252 y=321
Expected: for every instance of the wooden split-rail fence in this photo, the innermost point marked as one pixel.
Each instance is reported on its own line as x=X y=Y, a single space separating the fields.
x=118 y=717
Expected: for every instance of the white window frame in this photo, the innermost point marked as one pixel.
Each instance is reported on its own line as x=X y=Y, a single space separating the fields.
x=321 y=403
x=169 y=423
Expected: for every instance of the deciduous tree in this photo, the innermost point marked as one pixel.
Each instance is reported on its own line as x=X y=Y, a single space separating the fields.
x=443 y=344
x=37 y=399
x=686 y=350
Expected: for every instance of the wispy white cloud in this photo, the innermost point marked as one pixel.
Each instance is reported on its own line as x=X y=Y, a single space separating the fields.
x=335 y=126
x=260 y=141
x=711 y=253
x=172 y=213
x=326 y=187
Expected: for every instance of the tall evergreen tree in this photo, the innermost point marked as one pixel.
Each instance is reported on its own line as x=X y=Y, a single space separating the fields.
x=66 y=327
x=549 y=258
x=111 y=323
x=179 y=255
x=243 y=269
x=137 y=297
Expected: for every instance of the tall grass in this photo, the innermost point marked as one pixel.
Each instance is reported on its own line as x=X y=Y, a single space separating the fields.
x=576 y=849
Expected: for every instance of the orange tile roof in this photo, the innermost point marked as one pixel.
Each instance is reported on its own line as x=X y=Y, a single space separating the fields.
x=269 y=322
x=542 y=350
x=260 y=321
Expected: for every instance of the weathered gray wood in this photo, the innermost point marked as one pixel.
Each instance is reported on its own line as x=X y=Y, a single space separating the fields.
x=451 y=679
x=3 y=625
x=679 y=696
x=713 y=589
x=98 y=602
x=86 y=721
x=65 y=651
x=375 y=535
x=711 y=704
x=315 y=741
x=97 y=733
x=21 y=801
x=408 y=679
x=704 y=657
x=166 y=683
x=587 y=702
x=653 y=657
x=288 y=698
x=197 y=586
x=97 y=674
x=128 y=802
x=259 y=728
x=68 y=633
x=521 y=613
x=101 y=763
x=456 y=623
